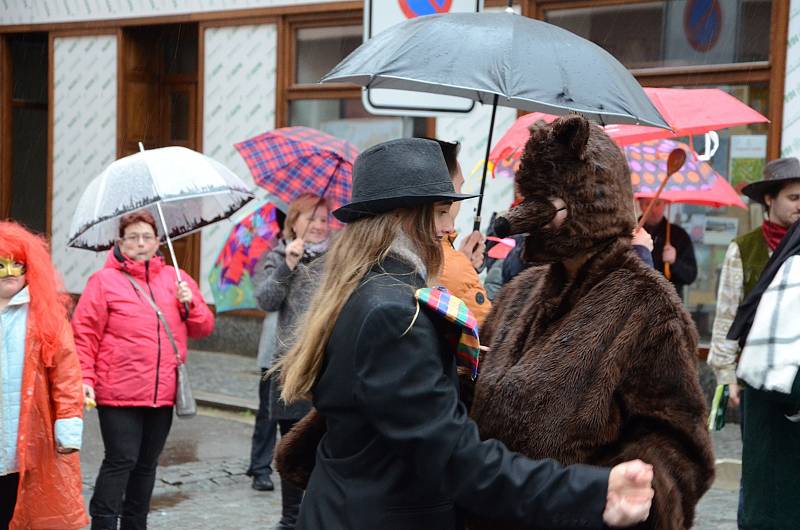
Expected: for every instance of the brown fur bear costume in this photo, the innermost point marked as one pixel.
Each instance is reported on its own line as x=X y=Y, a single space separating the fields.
x=598 y=367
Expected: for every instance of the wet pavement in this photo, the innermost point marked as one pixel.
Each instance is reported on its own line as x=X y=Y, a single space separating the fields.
x=201 y=482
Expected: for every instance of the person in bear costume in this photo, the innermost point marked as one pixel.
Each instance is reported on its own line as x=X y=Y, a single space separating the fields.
x=591 y=355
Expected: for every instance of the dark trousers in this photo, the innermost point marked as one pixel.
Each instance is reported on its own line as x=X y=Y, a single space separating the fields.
x=264 y=433
x=8 y=498
x=133 y=438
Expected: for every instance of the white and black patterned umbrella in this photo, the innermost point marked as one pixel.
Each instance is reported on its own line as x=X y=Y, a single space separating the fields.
x=184 y=189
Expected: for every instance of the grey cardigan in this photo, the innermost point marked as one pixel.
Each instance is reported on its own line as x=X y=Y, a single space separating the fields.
x=287 y=292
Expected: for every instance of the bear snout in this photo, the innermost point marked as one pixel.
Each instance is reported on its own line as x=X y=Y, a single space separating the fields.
x=524 y=218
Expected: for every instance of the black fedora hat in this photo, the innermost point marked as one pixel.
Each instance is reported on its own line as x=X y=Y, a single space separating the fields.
x=398 y=174
x=776 y=173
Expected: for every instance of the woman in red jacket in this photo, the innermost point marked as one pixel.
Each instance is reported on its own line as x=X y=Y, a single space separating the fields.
x=129 y=366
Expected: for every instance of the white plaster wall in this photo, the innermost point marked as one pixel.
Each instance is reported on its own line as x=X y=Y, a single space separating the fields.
x=790 y=136
x=49 y=11
x=472 y=131
x=84 y=139
x=239 y=102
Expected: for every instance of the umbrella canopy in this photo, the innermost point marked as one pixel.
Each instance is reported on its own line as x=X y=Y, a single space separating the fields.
x=687 y=111
x=691 y=111
x=487 y=57
x=719 y=195
x=191 y=189
x=294 y=160
x=500 y=58
x=695 y=183
x=231 y=278
x=646 y=160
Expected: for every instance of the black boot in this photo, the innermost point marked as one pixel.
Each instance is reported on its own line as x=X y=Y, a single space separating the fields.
x=104 y=522
x=290 y=500
x=133 y=522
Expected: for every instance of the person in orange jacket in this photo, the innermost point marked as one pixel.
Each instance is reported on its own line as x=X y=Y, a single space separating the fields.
x=41 y=398
x=460 y=267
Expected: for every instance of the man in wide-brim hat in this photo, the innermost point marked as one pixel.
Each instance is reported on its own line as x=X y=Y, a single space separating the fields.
x=745 y=259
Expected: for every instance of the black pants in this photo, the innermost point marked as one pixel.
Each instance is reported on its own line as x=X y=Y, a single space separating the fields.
x=264 y=433
x=133 y=438
x=8 y=498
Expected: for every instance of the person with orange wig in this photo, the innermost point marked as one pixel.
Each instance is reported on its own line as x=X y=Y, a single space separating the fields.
x=41 y=396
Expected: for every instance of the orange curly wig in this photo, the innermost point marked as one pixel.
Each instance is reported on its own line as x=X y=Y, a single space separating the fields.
x=49 y=304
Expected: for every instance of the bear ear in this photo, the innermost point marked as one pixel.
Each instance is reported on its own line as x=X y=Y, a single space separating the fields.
x=573 y=133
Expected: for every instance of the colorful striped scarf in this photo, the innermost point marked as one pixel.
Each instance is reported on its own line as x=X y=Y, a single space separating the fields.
x=467 y=343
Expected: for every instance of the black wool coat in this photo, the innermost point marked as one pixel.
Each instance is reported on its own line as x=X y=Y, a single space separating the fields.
x=400 y=452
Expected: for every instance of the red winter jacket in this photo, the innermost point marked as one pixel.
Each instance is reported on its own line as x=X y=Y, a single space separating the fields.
x=124 y=351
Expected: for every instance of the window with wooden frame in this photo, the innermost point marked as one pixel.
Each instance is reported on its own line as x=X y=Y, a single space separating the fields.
x=311 y=45
x=737 y=47
x=23 y=129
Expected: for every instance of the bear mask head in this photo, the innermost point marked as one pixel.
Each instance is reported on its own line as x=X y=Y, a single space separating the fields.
x=576 y=161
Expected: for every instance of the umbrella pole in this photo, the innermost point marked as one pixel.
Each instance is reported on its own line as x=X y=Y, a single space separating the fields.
x=324 y=191
x=172 y=254
x=477 y=225
x=667 y=272
x=169 y=241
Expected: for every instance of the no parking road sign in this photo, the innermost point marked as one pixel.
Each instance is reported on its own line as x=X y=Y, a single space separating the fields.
x=382 y=14
x=417 y=8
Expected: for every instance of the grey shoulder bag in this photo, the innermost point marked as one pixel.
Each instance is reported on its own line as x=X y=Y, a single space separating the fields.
x=185 y=405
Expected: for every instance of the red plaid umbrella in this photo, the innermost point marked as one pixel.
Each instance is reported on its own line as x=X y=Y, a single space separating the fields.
x=294 y=160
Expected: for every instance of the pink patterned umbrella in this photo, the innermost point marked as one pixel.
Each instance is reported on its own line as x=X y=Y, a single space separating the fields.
x=648 y=163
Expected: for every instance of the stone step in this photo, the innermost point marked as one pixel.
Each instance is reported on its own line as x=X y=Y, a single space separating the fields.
x=225 y=402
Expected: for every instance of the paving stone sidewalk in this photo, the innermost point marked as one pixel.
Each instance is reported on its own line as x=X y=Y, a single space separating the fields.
x=201 y=482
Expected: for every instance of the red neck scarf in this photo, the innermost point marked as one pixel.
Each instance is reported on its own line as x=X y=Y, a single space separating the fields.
x=773 y=233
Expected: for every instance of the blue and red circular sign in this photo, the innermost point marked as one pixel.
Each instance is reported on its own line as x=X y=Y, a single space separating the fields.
x=417 y=8
x=702 y=23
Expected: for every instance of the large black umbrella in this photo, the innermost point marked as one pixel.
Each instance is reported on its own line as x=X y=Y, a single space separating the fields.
x=503 y=59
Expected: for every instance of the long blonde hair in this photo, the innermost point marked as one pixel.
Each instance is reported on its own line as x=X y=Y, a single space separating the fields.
x=356 y=250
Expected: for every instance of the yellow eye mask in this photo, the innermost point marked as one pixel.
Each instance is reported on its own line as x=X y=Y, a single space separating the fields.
x=11 y=267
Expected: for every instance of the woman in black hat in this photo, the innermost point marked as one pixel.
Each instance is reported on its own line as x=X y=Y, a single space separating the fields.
x=400 y=451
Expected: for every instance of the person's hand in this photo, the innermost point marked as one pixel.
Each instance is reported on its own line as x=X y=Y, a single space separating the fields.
x=294 y=251
x=66 y=450
x=473 y=248
x=630 y=494
x=184 y=293
x=88 y=397
x=733 y=394
x=669 y=254
x=642 y=238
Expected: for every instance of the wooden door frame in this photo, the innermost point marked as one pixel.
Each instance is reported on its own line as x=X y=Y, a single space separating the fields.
x=5 y=128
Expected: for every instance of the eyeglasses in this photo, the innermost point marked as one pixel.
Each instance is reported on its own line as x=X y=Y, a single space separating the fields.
x=11 y=267
x=133 y=238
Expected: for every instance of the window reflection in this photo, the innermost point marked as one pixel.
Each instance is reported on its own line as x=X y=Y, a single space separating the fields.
x=674 y=32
